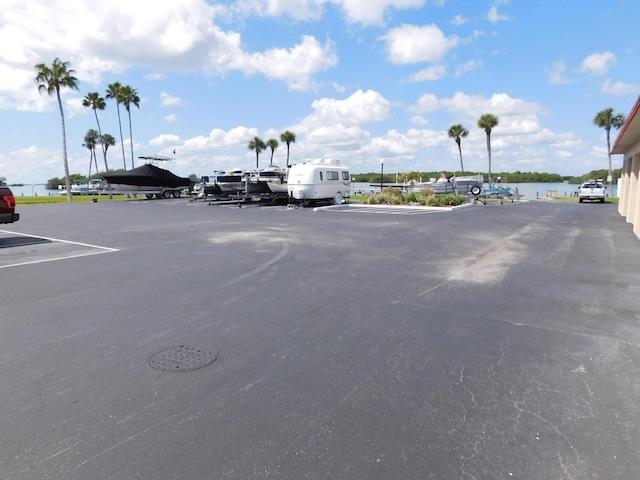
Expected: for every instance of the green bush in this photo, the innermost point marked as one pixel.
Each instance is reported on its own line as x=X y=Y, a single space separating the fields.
x=394 y=196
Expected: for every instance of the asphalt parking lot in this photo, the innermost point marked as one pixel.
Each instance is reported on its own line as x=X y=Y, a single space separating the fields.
x=174 y=339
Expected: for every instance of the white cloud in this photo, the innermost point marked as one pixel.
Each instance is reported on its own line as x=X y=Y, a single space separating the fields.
x=358 y=109
x=414 y=44
x=338 y=88
x=110 y=37
x=171 y=118
x=296 y=65
x=467 y=67
x=459 y=20
x=598 y=63
x=435 y=72
x=296 y=9
x=516 y=116
x=154 y=76
x=620 y=88
x=367 y=12
x=428 y=102
x=404 y=145
x=556 y=74
x=336 y=137
x=168 y=100
x=371 y=12
x=494 y=17
x=165 y=140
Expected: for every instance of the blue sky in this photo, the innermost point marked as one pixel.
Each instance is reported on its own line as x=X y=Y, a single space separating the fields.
x=356 y=80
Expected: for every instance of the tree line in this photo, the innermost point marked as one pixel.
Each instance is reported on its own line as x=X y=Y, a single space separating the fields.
x=505 y=177
x=258 y=145
x=606 y=119
x=51 y=79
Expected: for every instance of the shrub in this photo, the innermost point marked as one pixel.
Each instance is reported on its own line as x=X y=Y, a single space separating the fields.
x=393 y=196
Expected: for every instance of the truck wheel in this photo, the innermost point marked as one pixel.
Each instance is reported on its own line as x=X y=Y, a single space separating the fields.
x=602 y=200
x=149 y=196
x=176 y=194
x=580 y=200
x=337 y=200
x=166 y=194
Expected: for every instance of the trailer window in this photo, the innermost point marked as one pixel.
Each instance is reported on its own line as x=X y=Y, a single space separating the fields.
x=345 y=175
x=320 y=176
x=332 y=175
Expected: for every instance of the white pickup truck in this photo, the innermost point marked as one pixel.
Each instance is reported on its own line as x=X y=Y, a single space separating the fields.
x=592 y=190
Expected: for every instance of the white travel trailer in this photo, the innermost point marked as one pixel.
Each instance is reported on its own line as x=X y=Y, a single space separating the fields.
x=321 y=179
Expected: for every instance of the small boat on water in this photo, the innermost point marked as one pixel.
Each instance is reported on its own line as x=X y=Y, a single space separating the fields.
x=94 y=186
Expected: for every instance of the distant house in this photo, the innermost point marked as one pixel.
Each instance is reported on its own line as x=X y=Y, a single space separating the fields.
x=628 y=144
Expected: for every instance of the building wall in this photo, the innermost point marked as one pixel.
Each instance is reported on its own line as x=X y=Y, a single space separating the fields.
x=629 y=202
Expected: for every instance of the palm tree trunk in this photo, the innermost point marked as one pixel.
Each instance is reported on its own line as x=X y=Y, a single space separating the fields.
x=131 y=140
x=67 y=180
x=461 y=165
x=121 y=137
x=610 y=175
x=287 y=154
x=104 y=150
x=489 y=153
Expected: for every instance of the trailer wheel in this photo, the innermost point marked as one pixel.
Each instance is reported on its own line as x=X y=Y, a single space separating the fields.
x=475 y=190
x=176 y=194
x=166 y=194
x=337 y=200
x=149 y=196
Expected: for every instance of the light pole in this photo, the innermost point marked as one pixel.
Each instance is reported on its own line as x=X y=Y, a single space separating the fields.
x=381 y=172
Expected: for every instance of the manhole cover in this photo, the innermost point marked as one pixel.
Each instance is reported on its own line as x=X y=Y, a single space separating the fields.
x=182 y=359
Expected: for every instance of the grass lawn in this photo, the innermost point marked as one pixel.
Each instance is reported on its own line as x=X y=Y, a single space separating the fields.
x=39 y=200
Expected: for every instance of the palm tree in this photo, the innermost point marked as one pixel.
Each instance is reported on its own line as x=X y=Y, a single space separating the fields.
x=114 y=91
x=107 y=141
x=130 y=96
x=457 y=132
x=487 y=122
x=272 y=143
x=606 y=119
x=288 y=138
x=258 y=145
x=90 y=141
x=96 y=102
x=51 y=79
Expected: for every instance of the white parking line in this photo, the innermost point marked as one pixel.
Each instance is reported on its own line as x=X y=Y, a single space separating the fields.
x=58 y=240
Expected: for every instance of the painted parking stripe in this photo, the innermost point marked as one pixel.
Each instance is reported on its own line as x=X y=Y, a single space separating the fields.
x=98 y=249
x=383 y=210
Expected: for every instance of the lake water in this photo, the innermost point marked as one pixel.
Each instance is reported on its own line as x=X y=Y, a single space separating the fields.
x=32 y=190
x=530 y=191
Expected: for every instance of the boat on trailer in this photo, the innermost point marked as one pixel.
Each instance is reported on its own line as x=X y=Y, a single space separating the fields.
x=461 y=185
x=148 y=180
x=229 y=181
